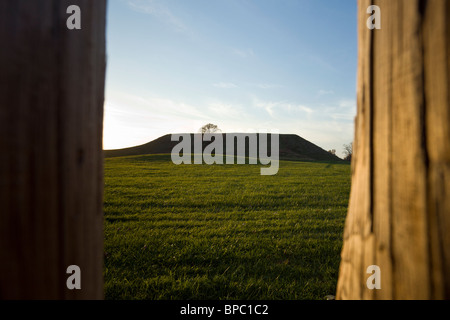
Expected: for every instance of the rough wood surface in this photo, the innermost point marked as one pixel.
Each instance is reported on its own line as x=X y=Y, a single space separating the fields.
x=51 y=164
x=399 y=210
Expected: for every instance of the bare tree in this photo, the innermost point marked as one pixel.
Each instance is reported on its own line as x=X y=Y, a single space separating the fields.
x=209 y=128
x=348 y=151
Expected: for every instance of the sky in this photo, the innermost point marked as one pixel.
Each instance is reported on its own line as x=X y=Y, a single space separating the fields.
x=244 y=65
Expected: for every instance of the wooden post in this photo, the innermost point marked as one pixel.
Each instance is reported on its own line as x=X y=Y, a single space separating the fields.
x=399 y=211
x=51 y=163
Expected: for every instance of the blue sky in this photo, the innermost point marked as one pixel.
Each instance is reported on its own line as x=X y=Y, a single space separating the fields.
x=175 y=65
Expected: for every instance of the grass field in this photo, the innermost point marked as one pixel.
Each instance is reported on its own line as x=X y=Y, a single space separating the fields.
x=222 y=231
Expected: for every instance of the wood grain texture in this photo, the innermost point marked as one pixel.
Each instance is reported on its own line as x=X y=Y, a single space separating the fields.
x=399 y=208
x=51 y=163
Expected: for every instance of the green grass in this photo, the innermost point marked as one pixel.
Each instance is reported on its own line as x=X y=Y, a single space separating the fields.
x=222 y=231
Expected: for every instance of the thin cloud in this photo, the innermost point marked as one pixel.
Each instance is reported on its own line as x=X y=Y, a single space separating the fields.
x=282 y=108
x=342 y=116
x=267 y=86
x=225 y=110
x=305 y=109
x=318 y=61
x=243 y=53
x=159 y=105
x=158 y=10
x=347 y=104
x=344 y=110
x=225 y=85
x=325 y=92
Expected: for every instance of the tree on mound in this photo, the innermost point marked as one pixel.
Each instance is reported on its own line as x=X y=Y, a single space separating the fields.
x=209 y=128
x=348 y=150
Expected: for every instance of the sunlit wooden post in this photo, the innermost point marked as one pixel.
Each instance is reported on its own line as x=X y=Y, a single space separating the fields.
x=51 y=118
x=399 y=211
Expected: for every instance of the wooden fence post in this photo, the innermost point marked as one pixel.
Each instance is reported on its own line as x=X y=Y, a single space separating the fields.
x=51 y=163
x=399 y=211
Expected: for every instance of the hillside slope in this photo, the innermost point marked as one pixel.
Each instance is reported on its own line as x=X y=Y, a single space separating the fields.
x=292 y=147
